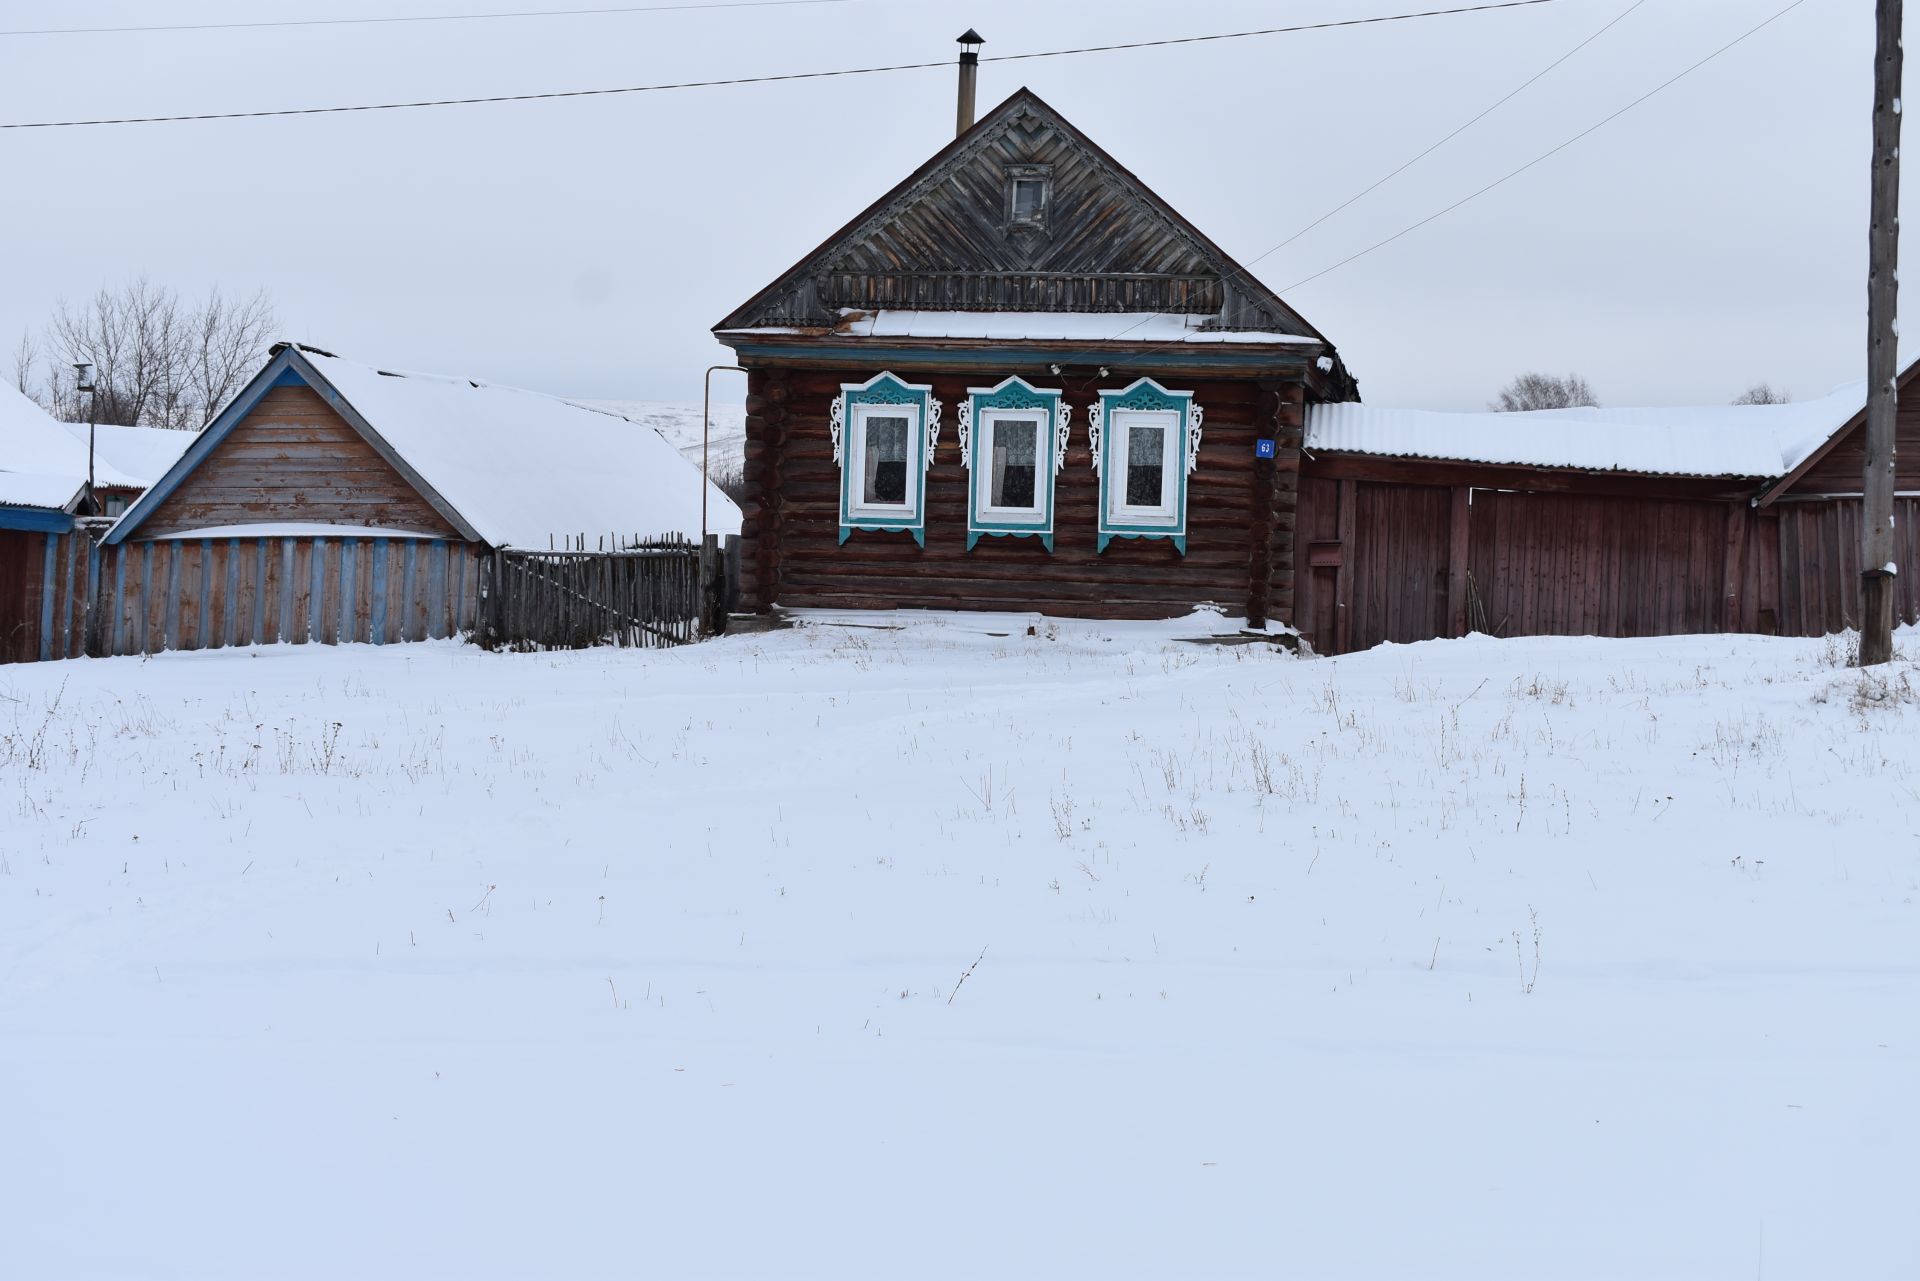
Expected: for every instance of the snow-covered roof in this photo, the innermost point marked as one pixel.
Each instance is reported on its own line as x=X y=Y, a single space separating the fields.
x=522 y=468
x=1039 y=326
x=1748 y=441
x=143 y=453
x=41 y=464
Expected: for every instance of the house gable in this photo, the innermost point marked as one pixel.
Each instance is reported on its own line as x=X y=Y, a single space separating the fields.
x=293 y=459
x=942 y=240
x=289 y=449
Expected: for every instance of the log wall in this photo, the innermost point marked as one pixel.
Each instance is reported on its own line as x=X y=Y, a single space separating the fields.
x=791 y=554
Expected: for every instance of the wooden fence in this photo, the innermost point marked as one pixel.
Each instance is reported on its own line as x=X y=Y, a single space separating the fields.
x=1382 y=561
x=211 y=593
x=651 y=593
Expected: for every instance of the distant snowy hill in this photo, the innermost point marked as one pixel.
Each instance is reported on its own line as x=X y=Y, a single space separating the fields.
x=680 y=424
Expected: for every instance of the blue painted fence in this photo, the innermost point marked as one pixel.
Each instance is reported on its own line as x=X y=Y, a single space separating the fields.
x=211 y=593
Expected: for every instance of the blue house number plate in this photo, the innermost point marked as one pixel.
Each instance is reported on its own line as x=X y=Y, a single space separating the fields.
x=1263 y=449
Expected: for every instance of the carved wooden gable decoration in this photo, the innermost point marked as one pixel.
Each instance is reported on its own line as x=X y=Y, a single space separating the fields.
x=957 y=236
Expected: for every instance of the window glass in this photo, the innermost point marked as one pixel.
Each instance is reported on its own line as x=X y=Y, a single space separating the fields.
x=1016 y=446
x=1029 y=199
x=1146 y=466
x=886 y=460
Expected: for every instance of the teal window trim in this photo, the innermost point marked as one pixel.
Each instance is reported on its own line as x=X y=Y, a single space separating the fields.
x=858 y=401
x=1146 y=402
x=1012 y=399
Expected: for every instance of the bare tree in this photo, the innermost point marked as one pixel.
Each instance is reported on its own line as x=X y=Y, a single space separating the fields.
x=25 y=356
x=1543 y=391
x=1763 y=394
x=159 y=360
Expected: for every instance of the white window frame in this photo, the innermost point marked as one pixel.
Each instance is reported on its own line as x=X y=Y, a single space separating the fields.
x=909 y=507
x=1172 y=429
x=990 y=420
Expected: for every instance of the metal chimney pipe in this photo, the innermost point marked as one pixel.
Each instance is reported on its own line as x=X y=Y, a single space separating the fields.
x=969 y=72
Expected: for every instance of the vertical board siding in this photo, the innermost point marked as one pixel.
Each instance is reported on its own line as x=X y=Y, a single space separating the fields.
x=66 y=596
x=1399 y=588
x=1819 y=556
x=1587 y=565
x=1373 y=558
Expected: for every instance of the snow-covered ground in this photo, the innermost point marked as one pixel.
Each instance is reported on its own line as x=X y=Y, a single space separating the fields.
x=843 y=952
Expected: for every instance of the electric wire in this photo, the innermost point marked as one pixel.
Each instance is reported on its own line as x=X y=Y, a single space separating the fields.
x=1244 y=274
x=1554 y=151
x=422 y=17
x=1389 y=176
x=767 y=79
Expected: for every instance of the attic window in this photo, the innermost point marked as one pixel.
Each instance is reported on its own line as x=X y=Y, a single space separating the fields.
x=1029 y=191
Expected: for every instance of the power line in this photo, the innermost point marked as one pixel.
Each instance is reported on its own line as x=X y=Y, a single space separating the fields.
x=770 y=79
x=1495 y=106
x=427 y=17
x=1590 y=129
x=1245 y=274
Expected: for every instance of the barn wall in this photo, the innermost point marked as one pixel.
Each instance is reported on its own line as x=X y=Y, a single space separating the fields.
x=1576 y=565
x=294 y=459
x=1819 y=589
x=791 y=554
x=1390 y=561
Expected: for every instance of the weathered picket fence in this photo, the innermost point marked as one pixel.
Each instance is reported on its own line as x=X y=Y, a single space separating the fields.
x=64 y=594
x=636 y=592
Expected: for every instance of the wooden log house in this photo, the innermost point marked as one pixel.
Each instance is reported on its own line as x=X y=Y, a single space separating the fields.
x=950 y=402
x=1021 y=380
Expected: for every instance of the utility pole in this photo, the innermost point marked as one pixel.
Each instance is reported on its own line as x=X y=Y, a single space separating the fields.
x=1877 y=568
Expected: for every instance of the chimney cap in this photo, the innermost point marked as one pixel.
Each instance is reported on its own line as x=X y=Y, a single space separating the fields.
x=973 y=38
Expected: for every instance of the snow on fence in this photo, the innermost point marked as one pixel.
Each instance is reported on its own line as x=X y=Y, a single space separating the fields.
x=643 y=592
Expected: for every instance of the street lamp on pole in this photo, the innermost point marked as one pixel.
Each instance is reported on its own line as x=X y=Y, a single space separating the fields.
x=83 y=382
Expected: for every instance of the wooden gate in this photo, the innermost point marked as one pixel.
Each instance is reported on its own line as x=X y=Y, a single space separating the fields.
x=646 y=594
x=1587 y=565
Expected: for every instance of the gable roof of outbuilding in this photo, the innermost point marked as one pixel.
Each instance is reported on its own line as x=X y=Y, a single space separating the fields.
x=942 y=224
x=503 y=466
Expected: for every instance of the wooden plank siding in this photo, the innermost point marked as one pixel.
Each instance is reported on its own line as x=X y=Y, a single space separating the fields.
x=294 y=460
x=941 y=240
x=23 y=557
x=1841 y=469
x=1814 y=602
x=155 y=595
x=791 y=553
x=1376 y=559
x=1579 y=565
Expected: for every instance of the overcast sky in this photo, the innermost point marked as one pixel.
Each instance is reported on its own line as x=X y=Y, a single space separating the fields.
x=1711 y=238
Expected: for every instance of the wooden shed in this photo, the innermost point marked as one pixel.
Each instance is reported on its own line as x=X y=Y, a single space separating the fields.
x=1021 y=380
x=43 y=498
x=1608 y=522
x=333 y=502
